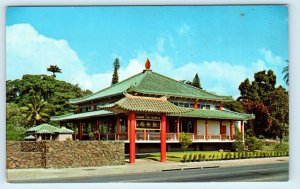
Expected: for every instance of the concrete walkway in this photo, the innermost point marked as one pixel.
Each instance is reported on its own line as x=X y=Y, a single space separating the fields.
x=141 y=166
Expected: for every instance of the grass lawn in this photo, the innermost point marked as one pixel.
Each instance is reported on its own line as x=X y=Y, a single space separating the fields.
x=178 y=156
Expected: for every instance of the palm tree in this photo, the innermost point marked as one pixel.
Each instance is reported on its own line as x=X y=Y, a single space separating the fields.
x=54 y=69
x=35 y=111
x=285 y=71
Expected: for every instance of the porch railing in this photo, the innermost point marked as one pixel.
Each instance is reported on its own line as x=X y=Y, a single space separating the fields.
x=155 y=136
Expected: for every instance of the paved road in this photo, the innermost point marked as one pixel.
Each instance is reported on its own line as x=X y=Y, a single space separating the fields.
x=253 y=173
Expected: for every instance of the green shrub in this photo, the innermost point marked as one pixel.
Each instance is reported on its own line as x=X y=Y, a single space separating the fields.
x=190 y=157
x=254 y=144
x=184 y=158
x=199 y=157
x=222 y=156
x=204 y=157
x=213 y=157
x=281 y=147
x=185 y=140
x=194 y=157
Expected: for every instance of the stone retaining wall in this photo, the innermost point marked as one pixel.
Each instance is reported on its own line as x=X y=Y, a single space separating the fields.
x=61 y=154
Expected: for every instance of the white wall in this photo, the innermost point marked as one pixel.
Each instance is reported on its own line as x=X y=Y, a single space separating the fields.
x=214 y=127
x=200 y=127
x=63 y=137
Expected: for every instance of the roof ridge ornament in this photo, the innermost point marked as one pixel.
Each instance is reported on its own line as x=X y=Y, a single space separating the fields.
x=147 y=65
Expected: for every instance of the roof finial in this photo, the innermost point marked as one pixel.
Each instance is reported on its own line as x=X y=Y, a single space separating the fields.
x=147 y=64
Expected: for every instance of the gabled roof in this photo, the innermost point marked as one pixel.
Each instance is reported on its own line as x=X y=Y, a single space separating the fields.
x=149 y=82
x=144 y=104
x=215 y=114
x=49 y=129
x=30 y=137
x=73 y=116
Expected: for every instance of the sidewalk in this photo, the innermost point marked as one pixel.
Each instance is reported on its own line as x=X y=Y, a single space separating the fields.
x=141 y=166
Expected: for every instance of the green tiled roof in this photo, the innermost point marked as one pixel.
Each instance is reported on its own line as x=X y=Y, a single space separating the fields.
x=30 y=137
x=149 y=82
x=49 y=129
x=81 y=115
x=144 y=104
x=118 y=88
x=215 y=114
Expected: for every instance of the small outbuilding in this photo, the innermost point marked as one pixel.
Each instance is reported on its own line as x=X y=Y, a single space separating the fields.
x=48 y=132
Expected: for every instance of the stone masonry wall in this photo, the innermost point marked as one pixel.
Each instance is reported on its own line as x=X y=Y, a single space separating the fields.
x=61 y=154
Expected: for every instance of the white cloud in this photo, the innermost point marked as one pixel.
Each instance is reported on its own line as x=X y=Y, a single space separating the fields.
x=270 y=57
x=29 y=52
x=183 y=30
x=160 y=44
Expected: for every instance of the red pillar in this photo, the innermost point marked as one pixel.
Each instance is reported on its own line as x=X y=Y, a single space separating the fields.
x=206 y=129
x=195 y=128
x=145 y=134
x=128 y=127
x=195 y=104
x=94 y=106
x=178 y=128
x=80 y=130
x=132 y=138
x=231 y=130
x=220 y=107
x=78 y=108
x=163 y=144
x=118 y=127
x=242 y=129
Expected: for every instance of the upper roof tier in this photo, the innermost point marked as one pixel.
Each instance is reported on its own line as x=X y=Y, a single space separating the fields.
x=152 y=83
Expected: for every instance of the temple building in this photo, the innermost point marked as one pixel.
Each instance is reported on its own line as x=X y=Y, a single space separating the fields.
x=148 y=111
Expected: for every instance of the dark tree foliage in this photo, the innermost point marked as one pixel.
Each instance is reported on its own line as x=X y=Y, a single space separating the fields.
x=285 y=71
x=268 y=103
x=234 y=106
x=264 y=83
x=262 y=122
x=55 y=92
x=115 y=76
x=196 y=82
x=54 y=69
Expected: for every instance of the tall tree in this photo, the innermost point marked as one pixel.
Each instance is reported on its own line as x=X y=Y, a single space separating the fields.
x=35 y=111
x=264 y=83
x=278 y=105
x=54 y=69
x=115 y=76
x=285 y=71
x=196 y=82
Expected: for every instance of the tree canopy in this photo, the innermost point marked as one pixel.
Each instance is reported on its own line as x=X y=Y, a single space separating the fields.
x=55 y=92
x=268 y=102
x=115 y=76
x=54 y=69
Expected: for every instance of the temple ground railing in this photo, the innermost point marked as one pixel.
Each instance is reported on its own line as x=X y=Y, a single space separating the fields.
x=145 y=136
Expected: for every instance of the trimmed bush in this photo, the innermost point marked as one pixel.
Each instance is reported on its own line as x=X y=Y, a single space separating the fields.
x=184 y=158
x=194 y=157
x=190 y=158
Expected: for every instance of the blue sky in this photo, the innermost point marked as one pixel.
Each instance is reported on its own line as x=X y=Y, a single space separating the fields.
x=223 y=44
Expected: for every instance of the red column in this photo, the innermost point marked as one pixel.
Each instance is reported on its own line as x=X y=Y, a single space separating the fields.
x=195 y=128
x=78 y=108
x=195 y=104
x=206 y=129
x=242 y=129
x=118 y=127
x=132 y=138
x=80 y=130
x=94 y=106
x=145 y=134
x=163 y=144
x=220 y=108
x=231 y=130
x=128 y=127
x=178 y=128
